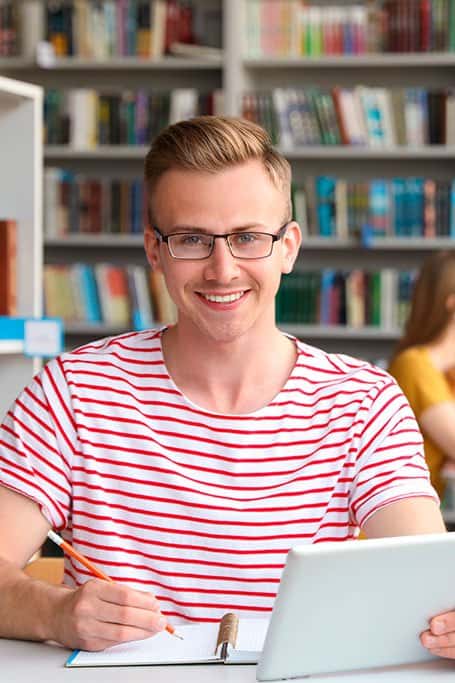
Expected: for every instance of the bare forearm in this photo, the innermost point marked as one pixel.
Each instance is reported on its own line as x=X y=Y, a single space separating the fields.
x=27 y=606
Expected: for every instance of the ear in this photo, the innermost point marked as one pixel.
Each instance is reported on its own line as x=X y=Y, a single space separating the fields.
x=152 y=248
x=291 y=242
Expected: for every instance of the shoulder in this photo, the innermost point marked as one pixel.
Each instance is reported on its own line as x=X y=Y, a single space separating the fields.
x=121 y=352
x=129 y=344
x=413 y=367
x=321 y=368
x=410 y=358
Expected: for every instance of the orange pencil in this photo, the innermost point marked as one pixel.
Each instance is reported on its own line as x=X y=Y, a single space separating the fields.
x=96 y=571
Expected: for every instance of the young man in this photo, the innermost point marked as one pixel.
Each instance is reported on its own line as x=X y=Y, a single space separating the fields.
x=187 y=461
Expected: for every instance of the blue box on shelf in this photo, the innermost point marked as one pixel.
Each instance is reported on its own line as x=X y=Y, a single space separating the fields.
x=41 y=336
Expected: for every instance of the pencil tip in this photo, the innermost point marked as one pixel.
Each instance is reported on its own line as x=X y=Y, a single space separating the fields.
x=178 y=636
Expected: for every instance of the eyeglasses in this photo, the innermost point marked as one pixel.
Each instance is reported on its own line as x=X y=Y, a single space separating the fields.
x=200 y=245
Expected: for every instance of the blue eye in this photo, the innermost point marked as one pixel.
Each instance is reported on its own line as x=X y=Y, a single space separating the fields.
x=246 y=238
x=192 y=240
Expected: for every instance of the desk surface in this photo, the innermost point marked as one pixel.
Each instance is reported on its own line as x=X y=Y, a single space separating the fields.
x=24 y=662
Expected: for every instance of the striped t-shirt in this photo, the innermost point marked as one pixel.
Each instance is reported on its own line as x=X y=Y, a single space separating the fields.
x=199 y=507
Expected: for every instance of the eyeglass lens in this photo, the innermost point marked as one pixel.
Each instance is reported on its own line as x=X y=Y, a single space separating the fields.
x=242 y=245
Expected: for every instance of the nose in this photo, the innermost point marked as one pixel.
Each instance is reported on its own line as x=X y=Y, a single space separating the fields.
x=221 y=265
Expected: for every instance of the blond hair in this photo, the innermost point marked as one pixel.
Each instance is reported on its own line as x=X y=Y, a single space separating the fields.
x=214 y=143
x=429 y=313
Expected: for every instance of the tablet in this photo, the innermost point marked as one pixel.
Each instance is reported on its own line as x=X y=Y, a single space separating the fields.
x=356 y=604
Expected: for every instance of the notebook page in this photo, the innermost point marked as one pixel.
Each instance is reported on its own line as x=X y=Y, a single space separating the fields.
x=198 y=646
x=250 y=639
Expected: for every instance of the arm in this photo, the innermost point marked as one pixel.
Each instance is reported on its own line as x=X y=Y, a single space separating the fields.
x=93 y=616
x=438 y=422
x=405 y=517
x=430 y=394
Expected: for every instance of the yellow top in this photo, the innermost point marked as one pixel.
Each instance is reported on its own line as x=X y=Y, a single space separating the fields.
x=424 y=386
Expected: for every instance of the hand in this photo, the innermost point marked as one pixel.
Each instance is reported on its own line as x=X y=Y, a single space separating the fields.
x=440 y=637
x=99 y=614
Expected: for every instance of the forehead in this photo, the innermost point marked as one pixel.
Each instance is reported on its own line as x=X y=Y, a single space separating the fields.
x=233 y=195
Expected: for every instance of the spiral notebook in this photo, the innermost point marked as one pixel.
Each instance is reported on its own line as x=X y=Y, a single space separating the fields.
x=231 y=641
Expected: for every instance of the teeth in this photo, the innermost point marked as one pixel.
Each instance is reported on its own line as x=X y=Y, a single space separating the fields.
x=223 y=299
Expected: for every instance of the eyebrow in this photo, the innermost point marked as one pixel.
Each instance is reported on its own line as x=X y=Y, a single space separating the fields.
x=193 y=228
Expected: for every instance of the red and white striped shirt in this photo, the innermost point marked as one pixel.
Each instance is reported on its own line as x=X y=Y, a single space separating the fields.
x=199 y=507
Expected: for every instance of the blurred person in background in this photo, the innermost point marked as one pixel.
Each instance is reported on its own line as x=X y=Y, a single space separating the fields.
x=424 y=363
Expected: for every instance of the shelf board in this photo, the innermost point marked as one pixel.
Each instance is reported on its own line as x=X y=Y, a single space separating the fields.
x=167 y=63
x=102 y=152
x=379 y=244
x=16 y=63
x=101 y=240
x=389 y=60
x=364 y=152
x=95 y=329
x=340 y=332
x=309 y=243
x=301 y=331
x=310 y=152
x=11 y=347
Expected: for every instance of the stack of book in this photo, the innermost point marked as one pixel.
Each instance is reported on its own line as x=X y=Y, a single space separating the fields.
x=78 y=204
x=107 y=29
x=85 y=118
x=8 y=262
x=356 y=298
x=119 y=297
x=325 y=206
x=9 y=29
x=365 y=116
x=283 y=28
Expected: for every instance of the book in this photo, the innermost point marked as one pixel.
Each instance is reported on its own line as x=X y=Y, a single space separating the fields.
x=195 y=51
x=231 y=641
x=8 y=261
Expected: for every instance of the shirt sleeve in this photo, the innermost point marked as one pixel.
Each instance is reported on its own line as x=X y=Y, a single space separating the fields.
x=423 y=384
x=388 y=450
x=38 y=441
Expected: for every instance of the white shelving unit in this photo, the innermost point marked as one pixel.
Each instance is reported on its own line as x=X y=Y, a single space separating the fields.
x=21 y=199
x=236 y=72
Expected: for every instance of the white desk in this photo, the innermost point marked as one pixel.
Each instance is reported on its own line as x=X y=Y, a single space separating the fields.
x=22 y=662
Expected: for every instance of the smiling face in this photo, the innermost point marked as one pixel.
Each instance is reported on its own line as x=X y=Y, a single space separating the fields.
x=222 y=297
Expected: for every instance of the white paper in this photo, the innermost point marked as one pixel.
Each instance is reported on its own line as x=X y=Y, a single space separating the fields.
x=198 y=644
x=42 y=337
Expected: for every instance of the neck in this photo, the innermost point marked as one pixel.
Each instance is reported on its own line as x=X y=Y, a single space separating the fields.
x=234 y=377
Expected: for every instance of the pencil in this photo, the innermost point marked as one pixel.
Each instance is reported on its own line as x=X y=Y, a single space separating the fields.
x=96 y=571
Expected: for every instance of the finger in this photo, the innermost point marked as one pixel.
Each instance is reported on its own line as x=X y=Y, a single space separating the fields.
x=137 y=617
x=442 y=623
x=431 y=641
x=122 y=595
x=101 y=636
x=114 y=634
x=448 y=652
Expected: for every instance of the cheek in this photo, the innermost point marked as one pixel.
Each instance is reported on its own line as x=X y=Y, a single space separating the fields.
x=270 y=278
x=176 y=276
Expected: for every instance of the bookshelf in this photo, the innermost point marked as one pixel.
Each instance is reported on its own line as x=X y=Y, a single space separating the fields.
x=252 y=73
x=236 y=71
x=21 y=201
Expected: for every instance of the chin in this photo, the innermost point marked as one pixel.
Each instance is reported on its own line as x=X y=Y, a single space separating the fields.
x=224 y=334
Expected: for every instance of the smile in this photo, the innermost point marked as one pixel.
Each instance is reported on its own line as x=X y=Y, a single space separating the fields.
x=223 y=299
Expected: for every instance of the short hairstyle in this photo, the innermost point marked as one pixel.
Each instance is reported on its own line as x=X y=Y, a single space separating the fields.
x=212 y=144
x=429 y=313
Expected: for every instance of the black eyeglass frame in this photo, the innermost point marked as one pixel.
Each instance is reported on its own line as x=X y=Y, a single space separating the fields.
x=275 y=237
